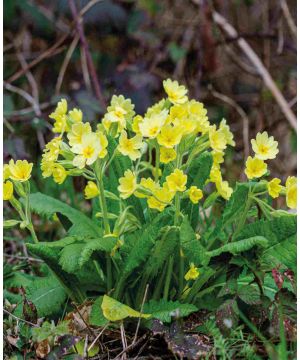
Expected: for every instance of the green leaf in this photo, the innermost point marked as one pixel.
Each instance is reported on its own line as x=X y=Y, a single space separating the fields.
x=47 y=294
x=190 y=245
x=249 y=294
x=163 y=309
x=239 y=246
x=69 y=257
x=96 y=317
x=51 y=256
x=163 y=248
x=281 y=234
x=283 y=253
x=10 y=223
x=142 y=242
x=105 y=244
x=274 y=230
x=113 y=310
x=80 y=224
x=199 y=170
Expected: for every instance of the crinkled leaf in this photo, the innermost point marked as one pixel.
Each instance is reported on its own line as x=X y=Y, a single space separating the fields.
x=163 y=309
x=190 y=245
x=80 y=224
x=113 y=310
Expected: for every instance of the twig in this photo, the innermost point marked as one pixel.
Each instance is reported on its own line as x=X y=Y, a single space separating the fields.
x=20 y=92
x=262 y=71
x=87 y=53
x=141 y=311
x=293 y=102
x=19 y=319
x=131 y=346
x=82 y=318
x=27 y=110
x=85 y=69
x=124 y=341
x=85 y=349
x=87 y=7
x=22 y=258
x=53 y=50
x=288 y=17
x=31 y=80
x=98 y=336
x=241 y=112
x=65 y=64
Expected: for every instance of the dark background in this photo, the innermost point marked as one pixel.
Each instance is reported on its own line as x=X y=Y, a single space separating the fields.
x=134 y=46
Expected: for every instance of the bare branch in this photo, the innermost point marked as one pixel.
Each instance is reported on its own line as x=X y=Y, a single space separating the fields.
x=261 y=69
x=288 y=17
x=87 y=53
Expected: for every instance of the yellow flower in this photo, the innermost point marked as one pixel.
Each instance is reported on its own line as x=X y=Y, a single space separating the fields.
x=91 y=190
x=218 y=157
x=119 y=111
x=169 y=136
x=136 y=124
x=60 y=117
x=130 y=147
x=274 y=188
x=75 y=115
x=47 y=167
x=217 y=139
x=195 y=194
x=6 y=172
x=127 y=185
x=264 y=147
x=291 y=192
x=166 y=155
x=151 y=126
x=156 y=108
x=192 y=274
x=177 y=180
x=59 y=174
x=77 y=131
x=103 y=143
x=176 y=93
x=52 y=149
x=8 y=190
x=225 y=129
x=153 y=171
x=197 y=113
x=148 y=184
x=21 y=170
x=224 y=189
x=255 y=168
x=215 y=173
x=88 y=150
x=161 y=198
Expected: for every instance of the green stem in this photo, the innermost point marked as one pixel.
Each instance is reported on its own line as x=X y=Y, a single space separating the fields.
x=103 y=205
x=156 y=162
x=32 y=232
x=243 y=218
x=158 y=287
x=168 y=278
x=181 y=271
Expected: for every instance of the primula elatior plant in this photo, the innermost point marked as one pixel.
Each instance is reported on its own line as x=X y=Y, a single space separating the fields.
x=165 y=227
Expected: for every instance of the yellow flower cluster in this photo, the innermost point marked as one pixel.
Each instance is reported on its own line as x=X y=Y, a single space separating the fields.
x=266 y=148
x=175 y=130
x=19 y=171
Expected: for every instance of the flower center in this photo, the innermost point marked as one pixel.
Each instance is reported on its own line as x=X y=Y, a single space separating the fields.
x=88 y=152
x=263 y=149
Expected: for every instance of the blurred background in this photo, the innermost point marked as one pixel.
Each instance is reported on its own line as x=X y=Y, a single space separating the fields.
x=88 y=50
